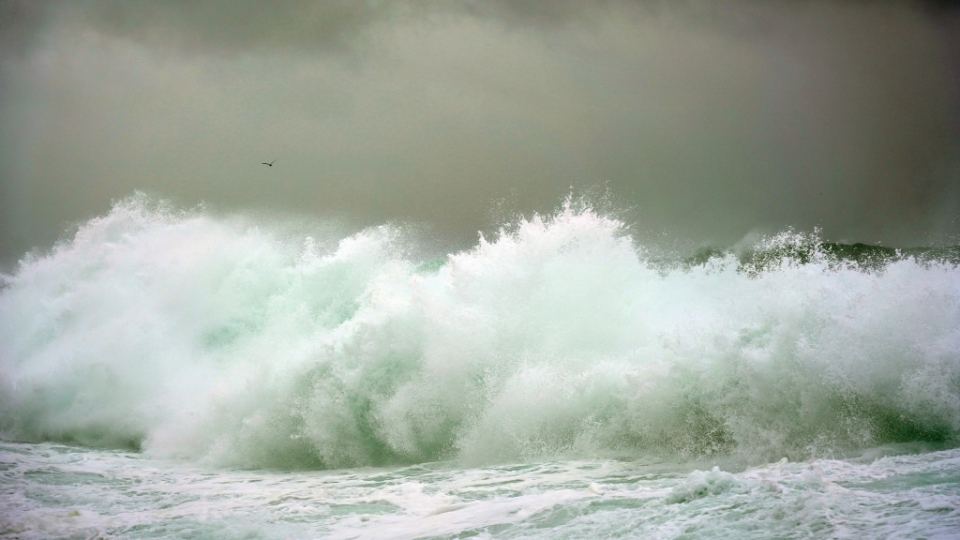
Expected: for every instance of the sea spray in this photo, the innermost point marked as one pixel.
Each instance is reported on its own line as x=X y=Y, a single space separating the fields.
x=191 y=335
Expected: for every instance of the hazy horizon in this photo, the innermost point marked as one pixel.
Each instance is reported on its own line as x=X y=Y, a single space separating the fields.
x=701 y=123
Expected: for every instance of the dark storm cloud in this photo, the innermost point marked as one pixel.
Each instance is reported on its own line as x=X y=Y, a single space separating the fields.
x=226 y=24
x=229 y=26
x=20 y=21
x=708 y=119
x=222 y=25
x=234 y=25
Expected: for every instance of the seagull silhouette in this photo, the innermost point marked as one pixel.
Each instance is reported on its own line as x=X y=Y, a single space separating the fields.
x=269 y=164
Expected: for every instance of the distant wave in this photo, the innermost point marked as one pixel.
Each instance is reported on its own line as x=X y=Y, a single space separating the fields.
x=189 y=335
x=792 y=248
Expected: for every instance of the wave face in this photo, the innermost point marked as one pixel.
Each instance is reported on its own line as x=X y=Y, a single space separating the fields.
x=188 y=335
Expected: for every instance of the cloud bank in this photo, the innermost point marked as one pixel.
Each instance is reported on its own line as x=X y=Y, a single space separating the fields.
x=704 y=121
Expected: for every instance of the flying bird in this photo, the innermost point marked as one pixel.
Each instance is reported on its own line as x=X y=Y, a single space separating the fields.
x=269 y=164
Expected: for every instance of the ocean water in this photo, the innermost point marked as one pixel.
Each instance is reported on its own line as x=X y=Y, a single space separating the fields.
x=179 y=374
x=55 y=491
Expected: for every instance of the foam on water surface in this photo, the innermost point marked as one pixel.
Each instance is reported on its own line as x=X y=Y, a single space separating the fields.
x=56 y=491
x=230 y=342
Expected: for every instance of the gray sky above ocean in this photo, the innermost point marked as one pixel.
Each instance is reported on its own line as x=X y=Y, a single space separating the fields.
x=703 y=120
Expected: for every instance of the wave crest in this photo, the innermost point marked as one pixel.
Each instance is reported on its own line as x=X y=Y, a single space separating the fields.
x=207 y=338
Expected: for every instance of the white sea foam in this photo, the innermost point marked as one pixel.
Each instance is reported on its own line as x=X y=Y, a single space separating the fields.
x=191 y=335
x=55 y=491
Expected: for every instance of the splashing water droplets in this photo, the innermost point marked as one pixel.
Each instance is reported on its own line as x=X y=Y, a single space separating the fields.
x=209 y=338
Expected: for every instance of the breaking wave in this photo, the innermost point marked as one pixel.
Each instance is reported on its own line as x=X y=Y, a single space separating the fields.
x=190 y=335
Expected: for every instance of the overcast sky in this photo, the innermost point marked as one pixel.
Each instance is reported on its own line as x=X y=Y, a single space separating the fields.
x=703 y=120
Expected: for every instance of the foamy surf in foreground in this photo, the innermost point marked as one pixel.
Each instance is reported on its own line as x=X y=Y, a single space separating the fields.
x=223 y=343
x=64 y=492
